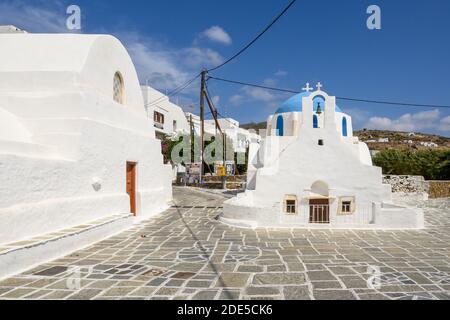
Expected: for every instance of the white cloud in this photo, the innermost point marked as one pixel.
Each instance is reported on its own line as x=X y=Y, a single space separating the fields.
x=158 y=64
x=38 y=17
x=216 y=100
x=410 y=122
x=155 y=66
x=196 y=57
x=163 y=67
x=281 y=73
x=217 y=34
x=259 y=94
x=444 y=124
x=236 y=99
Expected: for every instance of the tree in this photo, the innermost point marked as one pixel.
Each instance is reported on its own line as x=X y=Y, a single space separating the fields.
x=431 y=164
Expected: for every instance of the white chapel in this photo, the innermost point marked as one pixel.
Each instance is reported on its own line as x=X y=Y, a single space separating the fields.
x=311 y=172
x=78 y=158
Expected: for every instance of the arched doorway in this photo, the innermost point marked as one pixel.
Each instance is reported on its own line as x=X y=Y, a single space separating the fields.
x=319 y=203
x=280 y=126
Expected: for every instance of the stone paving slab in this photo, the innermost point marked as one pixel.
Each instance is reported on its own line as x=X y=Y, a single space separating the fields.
x=185 y=253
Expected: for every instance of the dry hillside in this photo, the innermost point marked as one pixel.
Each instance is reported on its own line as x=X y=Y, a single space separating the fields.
x=376 y=139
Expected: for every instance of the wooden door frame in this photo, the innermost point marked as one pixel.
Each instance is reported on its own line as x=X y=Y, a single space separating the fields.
x=319 y=202
x=132 y=192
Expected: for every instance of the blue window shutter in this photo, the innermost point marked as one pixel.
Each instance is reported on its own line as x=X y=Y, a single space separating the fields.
x=280 y=126
x=344 y=127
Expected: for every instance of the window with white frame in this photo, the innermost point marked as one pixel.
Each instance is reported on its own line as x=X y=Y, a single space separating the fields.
x=291 y=205
x=346 y=206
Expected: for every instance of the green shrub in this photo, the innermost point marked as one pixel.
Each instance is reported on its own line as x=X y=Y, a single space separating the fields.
x=431 y=164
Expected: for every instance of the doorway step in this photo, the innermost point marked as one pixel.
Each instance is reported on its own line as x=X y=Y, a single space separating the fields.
x=21 y=256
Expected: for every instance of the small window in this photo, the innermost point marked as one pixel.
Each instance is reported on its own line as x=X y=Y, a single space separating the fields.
x=346 y=207
x=158 y=120
x=174 y=125
x=118 y=88
x=158 y=117
x=290 y=205
x=321 y=143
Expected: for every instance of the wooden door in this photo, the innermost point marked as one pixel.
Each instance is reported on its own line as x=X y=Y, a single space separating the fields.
x=131 y=185
x=319 y=211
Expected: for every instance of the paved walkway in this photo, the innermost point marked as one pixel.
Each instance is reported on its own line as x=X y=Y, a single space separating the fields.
x=186 y=254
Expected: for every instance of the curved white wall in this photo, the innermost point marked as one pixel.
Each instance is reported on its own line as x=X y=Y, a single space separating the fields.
x=56 y=93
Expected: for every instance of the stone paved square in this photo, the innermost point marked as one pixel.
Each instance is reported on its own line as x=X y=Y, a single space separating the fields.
x=185 y=253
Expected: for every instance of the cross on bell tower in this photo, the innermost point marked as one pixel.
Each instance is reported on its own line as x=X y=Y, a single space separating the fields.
x=319 y=86
x=307 y=88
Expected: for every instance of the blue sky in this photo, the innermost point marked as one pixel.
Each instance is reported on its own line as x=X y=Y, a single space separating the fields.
x=328 y=41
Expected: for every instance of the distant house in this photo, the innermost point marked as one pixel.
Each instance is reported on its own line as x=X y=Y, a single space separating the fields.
x=383 y=140
x=429 y=144
x=168 y=118
x=240 y=137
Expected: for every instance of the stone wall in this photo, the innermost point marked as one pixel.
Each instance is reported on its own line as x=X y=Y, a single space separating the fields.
x=406 y=184
x=439 y=189
x=418 y=185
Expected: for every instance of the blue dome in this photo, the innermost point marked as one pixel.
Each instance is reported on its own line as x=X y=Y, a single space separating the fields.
x=294 y=104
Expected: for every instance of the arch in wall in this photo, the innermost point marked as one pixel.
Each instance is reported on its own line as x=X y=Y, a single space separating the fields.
x=320 y=188
x=344 y=127
x=280 y=126
x=118 y=88
x=319 y=99
x=315 y=122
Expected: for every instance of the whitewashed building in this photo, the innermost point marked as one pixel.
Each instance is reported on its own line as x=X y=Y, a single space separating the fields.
x=240 y=137
x=168 y=118
x=311 y=172
x=78 y=158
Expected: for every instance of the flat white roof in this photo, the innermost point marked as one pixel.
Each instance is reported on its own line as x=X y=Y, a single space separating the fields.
x=11 y=29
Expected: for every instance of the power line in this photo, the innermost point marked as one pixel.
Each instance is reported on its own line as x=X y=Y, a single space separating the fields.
x=174 y=91
x=256 y=38
x=253 y=85
x=340 y=98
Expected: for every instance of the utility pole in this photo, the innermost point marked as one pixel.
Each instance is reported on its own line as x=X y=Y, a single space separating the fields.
x=224 y=179
x=202 y=120
x=205 y=96
x=191 y=124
